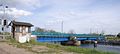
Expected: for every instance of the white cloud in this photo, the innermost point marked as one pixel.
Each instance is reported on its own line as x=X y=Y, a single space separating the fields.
x=22 y=4
x=13 y=12
x=17 y=13
x=82 y=15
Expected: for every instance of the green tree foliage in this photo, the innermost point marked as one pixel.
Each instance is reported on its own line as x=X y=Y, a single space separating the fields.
x=71 y=32
x=51 y=31
x=37 y=29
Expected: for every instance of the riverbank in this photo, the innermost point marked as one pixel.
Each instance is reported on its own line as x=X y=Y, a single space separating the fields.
x=105 y=48
x=111 y=41
x=47 y=48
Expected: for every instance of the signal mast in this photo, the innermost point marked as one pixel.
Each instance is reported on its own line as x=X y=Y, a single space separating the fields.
x=4 y=19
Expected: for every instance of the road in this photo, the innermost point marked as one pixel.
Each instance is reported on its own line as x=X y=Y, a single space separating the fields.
x=8 y=49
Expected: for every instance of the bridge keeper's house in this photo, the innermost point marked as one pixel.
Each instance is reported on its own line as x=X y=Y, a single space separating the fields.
x=21 y=31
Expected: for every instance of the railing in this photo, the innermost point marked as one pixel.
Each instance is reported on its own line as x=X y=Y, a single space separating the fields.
x=51 y=34
x=4 y=37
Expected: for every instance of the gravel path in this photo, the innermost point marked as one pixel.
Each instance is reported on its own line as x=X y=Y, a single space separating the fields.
x=8 y=49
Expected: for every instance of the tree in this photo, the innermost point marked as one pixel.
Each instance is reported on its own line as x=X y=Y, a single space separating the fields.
x=37 y=29
x=71 y=32
x=118 y=35
x=52 y=31
x=102 y=32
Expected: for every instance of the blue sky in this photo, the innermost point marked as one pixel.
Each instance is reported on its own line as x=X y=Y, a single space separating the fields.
x=78 y=15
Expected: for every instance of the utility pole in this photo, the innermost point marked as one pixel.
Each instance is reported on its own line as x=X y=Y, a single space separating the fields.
x=90 y=31
x=62 y=26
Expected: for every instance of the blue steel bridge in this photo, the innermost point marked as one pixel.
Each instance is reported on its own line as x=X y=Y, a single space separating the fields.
x=59 y=37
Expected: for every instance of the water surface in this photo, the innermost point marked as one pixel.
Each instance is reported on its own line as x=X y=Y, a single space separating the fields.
x=108 y=48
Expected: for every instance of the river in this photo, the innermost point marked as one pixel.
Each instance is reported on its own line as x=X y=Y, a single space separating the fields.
x=108 y=48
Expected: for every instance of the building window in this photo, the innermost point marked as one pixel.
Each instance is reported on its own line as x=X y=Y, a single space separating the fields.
x=2 y=28
x=0 y=21
x=17 y=29
x=5 y=22
x=29 y=29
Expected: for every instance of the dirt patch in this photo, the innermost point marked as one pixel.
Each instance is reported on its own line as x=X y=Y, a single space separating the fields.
x=40 y=49
x=8 y=49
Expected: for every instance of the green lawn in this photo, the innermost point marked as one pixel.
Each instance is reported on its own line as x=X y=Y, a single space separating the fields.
x=113 y=38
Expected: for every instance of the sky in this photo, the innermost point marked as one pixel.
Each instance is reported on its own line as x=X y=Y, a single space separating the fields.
x=82 y=16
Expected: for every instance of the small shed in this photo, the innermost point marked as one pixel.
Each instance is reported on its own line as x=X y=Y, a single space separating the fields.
x=21 y=31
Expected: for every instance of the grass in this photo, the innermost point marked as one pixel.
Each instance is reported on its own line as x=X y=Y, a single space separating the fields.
x=113 y=38
x=85 y=50
x=56 y=47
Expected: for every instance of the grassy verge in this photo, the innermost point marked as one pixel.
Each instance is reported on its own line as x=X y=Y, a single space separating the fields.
x=56 y=48
x=113 y=38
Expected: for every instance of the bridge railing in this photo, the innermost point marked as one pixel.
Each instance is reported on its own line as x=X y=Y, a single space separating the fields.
x=64 y=34
x=60 y=36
